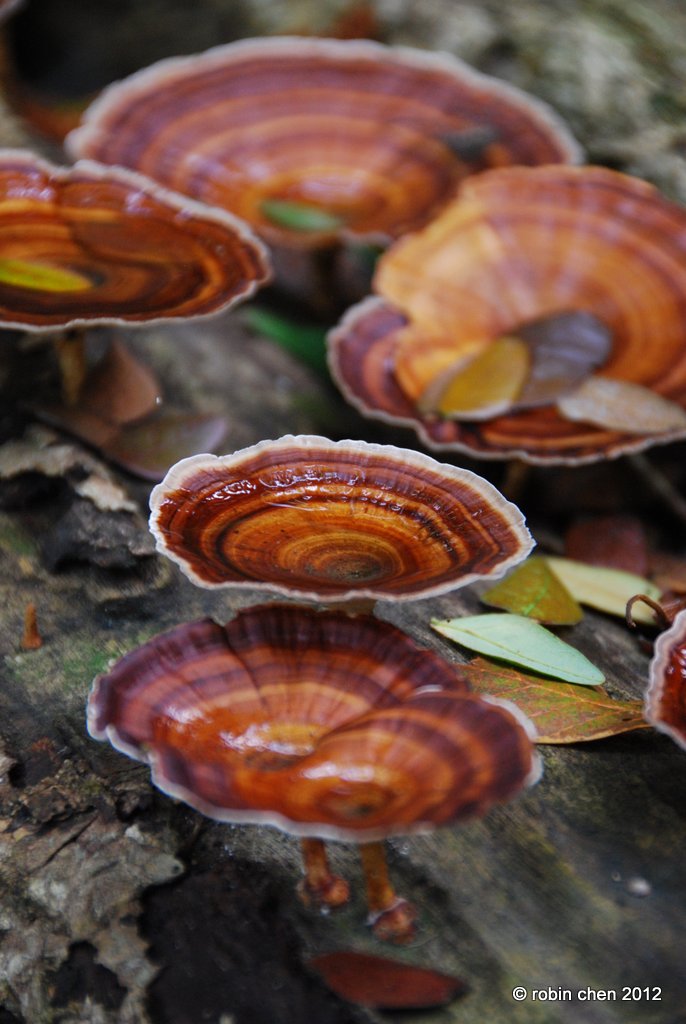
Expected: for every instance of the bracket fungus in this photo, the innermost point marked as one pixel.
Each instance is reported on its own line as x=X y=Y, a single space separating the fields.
x=334 y=521
x=324 y=724
x=356 y=138
x=91 y=244
x=665 y=703
x=570 y=276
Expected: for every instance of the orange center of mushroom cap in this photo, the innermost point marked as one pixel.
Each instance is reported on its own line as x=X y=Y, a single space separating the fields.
x=220 y=734
x=253 y=750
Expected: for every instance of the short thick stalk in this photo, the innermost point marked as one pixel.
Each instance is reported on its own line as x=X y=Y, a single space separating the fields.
x=391 y=917
x=320 y=887
x=70 y=348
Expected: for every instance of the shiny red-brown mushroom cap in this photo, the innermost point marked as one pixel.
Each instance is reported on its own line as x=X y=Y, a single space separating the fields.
x=665 y=704
x=334 y=521
x=366 y=133
x=320 y=723
x=92 y=244
x=521 y=245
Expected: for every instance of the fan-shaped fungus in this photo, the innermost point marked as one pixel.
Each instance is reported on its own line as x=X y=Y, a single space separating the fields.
x=91 y=244
x=371 y=140
x=665 y=705
x=520 y=248
x=326 y=725
x=334 y=521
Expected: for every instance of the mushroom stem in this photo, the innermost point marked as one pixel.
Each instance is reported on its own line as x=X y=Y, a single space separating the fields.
x=320 y=886
x=391 y=917
x=70 y=348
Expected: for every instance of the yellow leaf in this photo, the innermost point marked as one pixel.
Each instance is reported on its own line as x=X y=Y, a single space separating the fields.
x=608 y=590
x=41 y=277
x=489 y=384
x=534 y=590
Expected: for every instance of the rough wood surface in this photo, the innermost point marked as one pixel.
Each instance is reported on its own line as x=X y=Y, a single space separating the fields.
x=118 y=905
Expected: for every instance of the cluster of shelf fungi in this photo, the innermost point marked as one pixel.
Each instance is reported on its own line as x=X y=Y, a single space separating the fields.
x=531 y=312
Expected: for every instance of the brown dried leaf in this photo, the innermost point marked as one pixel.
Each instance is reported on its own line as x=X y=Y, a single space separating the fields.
x=621 y=405
x=561 y=714
x=565 y=348
x=535 y=591
x=119 y=389
x=150 y=447
x=376 y=981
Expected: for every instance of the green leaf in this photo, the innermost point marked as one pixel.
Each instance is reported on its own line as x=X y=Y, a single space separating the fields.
x=41 y=277
x=305 y=341
x=521 y=641
x=561 y=714
x=300 y=216
x=535 y=591
x=608 y=590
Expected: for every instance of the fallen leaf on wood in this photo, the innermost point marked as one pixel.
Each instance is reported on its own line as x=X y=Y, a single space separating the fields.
x=617 y=542
x=535 y=591
x=486 y=386
x=561 y=714
x=376 y=981
x=565 y=348
x=148 y=448
x=621 y=405
x=521 y=641
x=608 y=590
x=119 y=388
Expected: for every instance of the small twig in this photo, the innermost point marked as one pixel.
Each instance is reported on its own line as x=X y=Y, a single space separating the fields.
x=31 y=639
x=663 y=619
